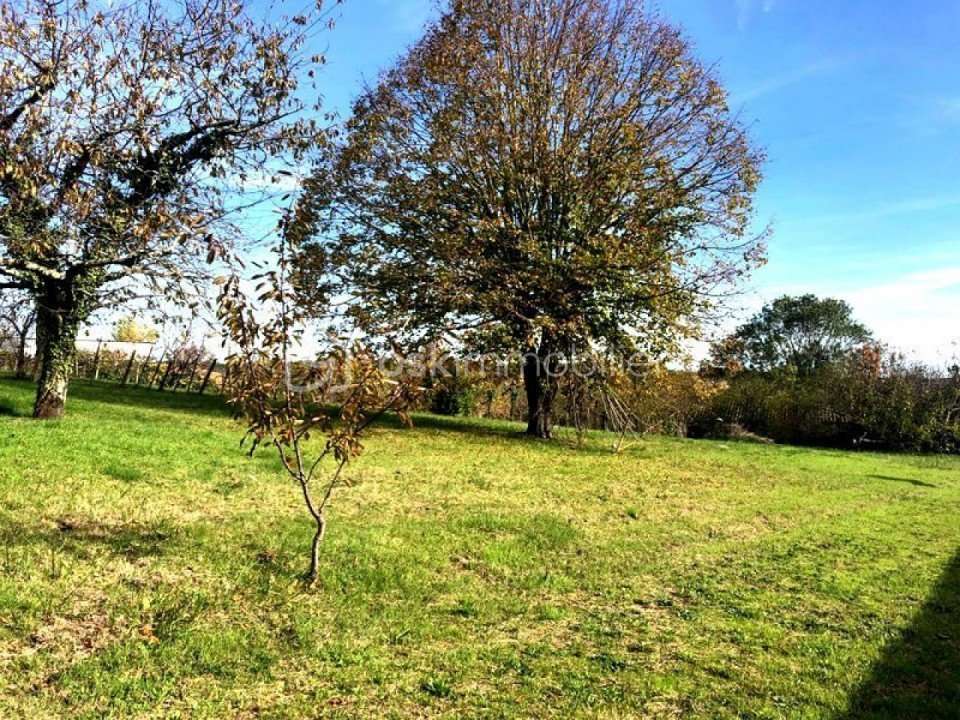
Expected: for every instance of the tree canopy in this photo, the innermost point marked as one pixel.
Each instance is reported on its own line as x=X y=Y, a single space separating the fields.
x=543 y=176
x=124 y=129
x=803 y=333
x=131 y=329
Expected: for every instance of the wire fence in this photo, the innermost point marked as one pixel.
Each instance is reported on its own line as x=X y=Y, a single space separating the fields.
x=186 y=368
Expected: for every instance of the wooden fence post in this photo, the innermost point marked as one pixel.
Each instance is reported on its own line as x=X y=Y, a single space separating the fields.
x=177 y=376
x=170 y=363
x=142 y=366
x=156 y=370
x=126 y=373
x=96 y=361
x=206 y=377
x=193 y=371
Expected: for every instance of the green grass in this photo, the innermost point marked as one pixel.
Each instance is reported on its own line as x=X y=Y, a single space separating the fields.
x=149 y=569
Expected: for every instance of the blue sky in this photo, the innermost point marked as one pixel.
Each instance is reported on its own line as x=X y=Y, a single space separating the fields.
x=857 y=103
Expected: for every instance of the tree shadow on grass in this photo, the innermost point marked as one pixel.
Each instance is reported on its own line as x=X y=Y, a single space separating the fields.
x=910 y=481
x=481 y=429
x=918 y=675
x=78 y=536
x=102 y=391
x=9 y=409
x=11 y=404
x=457 y=424
x=114 y=393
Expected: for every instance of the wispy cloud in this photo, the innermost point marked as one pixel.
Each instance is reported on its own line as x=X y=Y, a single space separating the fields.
x=932 y=203
x=786 y=79
x=916 y=312
x=948 y=109
x=746 y=9
x=928 y=116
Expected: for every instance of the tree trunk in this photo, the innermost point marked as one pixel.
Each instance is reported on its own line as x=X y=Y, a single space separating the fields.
x=21 y=370
x=321 y=530
x=540 y=385
x=57 y=326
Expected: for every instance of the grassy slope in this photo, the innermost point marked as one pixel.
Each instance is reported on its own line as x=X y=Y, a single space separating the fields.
x=149 y=569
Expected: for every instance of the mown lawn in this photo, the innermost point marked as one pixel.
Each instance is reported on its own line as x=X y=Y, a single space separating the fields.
x=149 y=569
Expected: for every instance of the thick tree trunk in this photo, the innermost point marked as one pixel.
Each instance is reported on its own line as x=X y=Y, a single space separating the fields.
x=540 y=386
x=57 y=325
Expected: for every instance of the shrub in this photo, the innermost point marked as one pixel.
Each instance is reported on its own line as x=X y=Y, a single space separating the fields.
x=454 y=395
x=872 y=399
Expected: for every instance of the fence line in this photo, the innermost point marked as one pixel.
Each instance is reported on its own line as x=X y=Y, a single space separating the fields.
x=175 y=369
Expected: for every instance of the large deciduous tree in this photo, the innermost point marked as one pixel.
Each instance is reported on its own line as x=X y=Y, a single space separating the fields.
x=803 y=333
x=542 y=176
x=124 y=129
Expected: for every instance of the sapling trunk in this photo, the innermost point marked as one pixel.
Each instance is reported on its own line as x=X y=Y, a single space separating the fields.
x=317 y=511
x=315 y=548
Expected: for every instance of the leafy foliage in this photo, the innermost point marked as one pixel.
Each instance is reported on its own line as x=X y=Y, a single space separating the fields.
x=801 y=334
x=870 y=399
x=544 y=175
x=127 y=131
x=285 y=403
x=130 y=329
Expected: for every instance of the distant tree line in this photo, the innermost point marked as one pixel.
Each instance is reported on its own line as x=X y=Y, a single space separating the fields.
x=802 y=371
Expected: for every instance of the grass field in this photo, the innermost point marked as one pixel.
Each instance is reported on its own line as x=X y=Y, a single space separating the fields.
x=149 y=569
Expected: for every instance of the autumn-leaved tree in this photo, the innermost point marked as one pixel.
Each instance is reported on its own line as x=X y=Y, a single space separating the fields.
x=549 y=177
x=131 y=329
x=124 y=130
